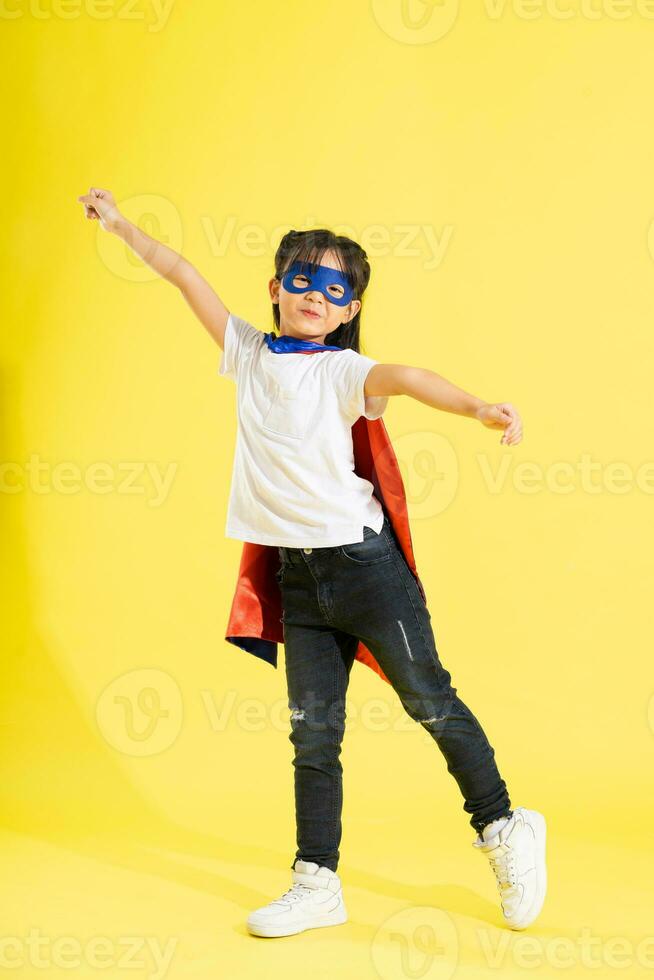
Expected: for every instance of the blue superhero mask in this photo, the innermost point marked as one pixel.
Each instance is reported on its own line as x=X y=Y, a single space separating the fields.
x=319 y=277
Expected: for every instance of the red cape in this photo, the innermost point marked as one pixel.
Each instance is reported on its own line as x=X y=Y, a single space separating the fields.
x=254 y=621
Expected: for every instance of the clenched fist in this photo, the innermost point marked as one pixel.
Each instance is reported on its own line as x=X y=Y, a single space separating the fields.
x=100 y=204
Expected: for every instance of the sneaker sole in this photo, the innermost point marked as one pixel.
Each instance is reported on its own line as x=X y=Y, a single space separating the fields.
x=538 y=821
x=271 y=931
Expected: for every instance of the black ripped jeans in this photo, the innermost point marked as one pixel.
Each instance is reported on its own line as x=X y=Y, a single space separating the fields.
x=332 y=598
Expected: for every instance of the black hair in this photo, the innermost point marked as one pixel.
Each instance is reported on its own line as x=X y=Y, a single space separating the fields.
x=309 y=247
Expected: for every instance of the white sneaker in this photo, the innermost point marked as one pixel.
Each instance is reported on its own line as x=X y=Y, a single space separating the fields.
x=315 y=899
x=516 y=852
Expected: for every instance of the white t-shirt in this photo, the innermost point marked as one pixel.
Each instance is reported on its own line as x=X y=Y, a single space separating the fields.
x=293 y=479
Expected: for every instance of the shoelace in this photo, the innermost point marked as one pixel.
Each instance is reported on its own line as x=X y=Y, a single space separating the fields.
x=504 y=867
x=294 y=893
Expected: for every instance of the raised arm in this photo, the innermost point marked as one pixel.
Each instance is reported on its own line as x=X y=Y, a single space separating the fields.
x=434 y=390
x=204 y=301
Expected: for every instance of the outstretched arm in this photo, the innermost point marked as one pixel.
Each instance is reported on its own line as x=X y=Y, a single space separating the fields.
x=204 y=301
x=434 y=390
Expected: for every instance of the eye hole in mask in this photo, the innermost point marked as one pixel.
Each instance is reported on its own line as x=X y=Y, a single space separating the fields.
x=304 y=285
x=302 y=277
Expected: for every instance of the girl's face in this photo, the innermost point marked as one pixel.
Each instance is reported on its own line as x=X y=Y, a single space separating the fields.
x=310 y=316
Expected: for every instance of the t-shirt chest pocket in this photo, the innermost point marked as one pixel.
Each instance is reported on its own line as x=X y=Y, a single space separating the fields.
x=291 y=410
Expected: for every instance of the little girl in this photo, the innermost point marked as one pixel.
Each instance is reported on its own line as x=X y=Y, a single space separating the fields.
x=343 y=574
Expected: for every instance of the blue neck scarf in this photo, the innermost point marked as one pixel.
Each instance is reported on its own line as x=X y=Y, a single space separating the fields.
x=289 y=345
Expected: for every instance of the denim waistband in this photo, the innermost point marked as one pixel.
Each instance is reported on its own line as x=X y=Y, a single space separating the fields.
x=296 y=555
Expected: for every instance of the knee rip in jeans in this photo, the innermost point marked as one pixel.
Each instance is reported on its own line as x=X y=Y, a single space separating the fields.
x=298 y=714
x=435 y=718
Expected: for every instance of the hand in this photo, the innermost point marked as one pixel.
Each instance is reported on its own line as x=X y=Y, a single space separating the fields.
x=100 y=204
x=502 y=416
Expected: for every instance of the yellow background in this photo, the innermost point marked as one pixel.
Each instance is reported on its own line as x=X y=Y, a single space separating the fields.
x=523 y=143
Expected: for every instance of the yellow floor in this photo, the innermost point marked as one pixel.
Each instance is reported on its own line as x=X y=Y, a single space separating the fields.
x=175 y=906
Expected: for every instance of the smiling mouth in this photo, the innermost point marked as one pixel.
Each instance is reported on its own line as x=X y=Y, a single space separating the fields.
x=310 y=313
